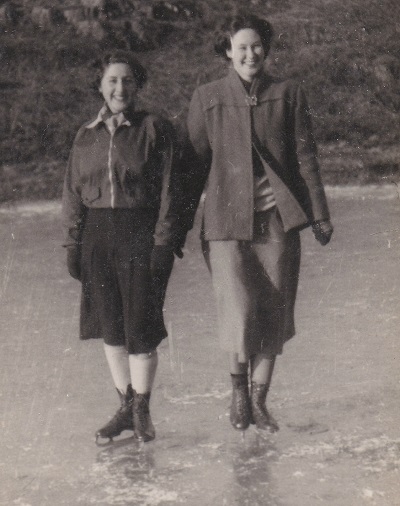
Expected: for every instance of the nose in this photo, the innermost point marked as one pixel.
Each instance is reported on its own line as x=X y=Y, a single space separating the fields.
x=120 y=86
x=250 y=53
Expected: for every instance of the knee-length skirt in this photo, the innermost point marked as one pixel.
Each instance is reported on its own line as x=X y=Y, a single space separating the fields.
x=118 y=302
x=255 y=284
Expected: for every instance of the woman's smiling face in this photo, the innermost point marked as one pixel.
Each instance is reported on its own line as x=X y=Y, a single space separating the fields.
x=247 y=53
x=118 y=87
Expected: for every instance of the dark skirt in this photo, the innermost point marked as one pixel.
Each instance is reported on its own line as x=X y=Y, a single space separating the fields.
x=118 y=302
x=255 y=283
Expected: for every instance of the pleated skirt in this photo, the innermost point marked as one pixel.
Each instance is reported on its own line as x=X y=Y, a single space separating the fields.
x=118 y=302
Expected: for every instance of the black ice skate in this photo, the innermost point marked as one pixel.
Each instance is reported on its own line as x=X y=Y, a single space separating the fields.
x=240 y=412
x=122 y=420
x=262 y=419
x=144 y=428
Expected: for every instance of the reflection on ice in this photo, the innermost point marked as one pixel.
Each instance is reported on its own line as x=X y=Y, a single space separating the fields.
x=232 y=471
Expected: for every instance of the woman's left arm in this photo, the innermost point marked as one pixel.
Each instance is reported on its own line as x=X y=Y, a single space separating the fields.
x=309 y=168
x=168 y=231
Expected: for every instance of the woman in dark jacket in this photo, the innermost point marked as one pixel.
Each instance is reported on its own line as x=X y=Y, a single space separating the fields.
x=121 y=236
x=252 y=148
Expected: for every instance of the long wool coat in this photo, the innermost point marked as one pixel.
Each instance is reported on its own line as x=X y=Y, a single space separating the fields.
x=220 y=121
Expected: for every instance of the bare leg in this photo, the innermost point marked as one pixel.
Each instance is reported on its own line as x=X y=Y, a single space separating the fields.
x=235 y=366
x=143 y=367
x=117 y=359
x=262 y=368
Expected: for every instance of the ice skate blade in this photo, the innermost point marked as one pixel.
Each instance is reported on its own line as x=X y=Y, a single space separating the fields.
x=144 y=439
x=265 y=432
x=270 y=429
x=114 y=442
x=241 y=433
x=118 y=445
x=106 y=442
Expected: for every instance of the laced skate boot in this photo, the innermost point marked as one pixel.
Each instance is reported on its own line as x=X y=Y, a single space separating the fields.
x=122 y=420
x=262 y=419
x=144 y=428
x=240 y=413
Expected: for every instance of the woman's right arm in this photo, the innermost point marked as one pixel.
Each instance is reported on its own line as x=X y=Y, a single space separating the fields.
x=197 y=128
x=73 y=210
x=196 y=158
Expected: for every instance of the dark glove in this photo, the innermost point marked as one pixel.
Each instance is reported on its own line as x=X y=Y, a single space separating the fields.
x=74 y=261
x=323 y=231
x=178 y=251
x=161 y=263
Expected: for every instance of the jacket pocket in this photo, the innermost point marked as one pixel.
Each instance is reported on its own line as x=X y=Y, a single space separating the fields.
x=89 y=195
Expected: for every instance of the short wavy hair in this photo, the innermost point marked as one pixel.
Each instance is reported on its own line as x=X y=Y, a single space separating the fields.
x=240 y=22
x=120 y=56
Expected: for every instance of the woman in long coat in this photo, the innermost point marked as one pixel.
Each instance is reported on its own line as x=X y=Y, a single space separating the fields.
x=252 y=150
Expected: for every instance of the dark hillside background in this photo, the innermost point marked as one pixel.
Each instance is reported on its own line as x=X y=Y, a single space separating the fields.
x=345 y=52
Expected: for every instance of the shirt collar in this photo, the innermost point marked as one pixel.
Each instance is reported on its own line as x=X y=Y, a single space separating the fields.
x=105 y=114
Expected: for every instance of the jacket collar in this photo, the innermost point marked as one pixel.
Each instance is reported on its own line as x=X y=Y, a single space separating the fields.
x=240 y=95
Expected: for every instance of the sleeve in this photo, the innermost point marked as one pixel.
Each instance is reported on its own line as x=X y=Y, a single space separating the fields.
x=186 y=169
x=196 y=158
x=306 y=151
x=73 y=210
x=197 y=128
x=169 y=230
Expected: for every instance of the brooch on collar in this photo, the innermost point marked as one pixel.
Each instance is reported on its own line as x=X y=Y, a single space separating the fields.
x=251 y=100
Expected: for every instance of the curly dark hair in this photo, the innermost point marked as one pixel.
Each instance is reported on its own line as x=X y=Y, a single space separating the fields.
x=120 y=56
x=239 y=22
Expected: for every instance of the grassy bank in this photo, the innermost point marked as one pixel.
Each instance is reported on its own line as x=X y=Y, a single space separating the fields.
x=343 y=51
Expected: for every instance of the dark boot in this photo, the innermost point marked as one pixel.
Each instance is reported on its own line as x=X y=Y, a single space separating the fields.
x=240 y=414
x=122 y=420
x=262 y=418
x=144 y=428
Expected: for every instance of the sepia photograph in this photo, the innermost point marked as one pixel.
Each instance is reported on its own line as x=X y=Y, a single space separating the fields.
x=199 y=253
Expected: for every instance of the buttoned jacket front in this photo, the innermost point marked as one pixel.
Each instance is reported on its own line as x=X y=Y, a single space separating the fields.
x=221 y=115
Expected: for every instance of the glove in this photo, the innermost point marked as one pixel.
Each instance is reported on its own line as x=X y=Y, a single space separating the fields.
x=74 y=261
x=323 y=231
x=178 y=251
x=161 y=263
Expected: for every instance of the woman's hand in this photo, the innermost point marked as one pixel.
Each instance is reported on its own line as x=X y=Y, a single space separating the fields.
x=161 y=263
x=323 y=231
x=74 y=261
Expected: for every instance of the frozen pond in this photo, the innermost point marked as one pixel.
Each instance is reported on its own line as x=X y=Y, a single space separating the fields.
x=335 y=392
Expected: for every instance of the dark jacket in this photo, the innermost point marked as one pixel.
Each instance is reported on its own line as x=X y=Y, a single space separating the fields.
x=220 y=133
x=133 y=169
